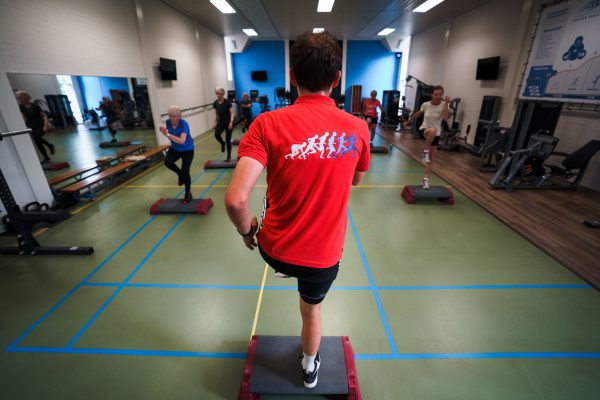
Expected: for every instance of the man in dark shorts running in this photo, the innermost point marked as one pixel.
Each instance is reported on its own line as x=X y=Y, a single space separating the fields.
x=313 y=153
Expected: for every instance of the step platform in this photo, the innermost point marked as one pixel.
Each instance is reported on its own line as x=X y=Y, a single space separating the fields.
x=216 y=164
x=415 y=194
x=55 y=166
x=176 y=206
x=272 y=367
x=115 y=144
x=380 y=149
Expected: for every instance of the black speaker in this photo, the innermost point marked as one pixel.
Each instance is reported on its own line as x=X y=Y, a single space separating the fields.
x=254 y=95
x=231 y=95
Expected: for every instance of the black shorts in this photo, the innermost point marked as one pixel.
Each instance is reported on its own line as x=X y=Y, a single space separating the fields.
x=313 y=283
x=373 y=119
x=436 y=140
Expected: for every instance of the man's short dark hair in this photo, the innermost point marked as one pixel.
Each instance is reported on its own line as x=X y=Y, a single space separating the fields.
x=315 y=59
x=437 y=87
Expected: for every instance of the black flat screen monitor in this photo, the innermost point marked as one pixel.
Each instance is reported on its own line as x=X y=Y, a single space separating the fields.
x=487 y=68
x=168 y=69
x=259 y=76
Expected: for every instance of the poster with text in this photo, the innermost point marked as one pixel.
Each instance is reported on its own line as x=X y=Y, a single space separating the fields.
x=565 y=59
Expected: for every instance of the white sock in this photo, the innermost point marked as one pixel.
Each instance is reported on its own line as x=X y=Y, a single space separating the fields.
x=308 y=362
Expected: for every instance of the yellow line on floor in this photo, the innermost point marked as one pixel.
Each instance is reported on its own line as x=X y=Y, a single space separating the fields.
x=40 y=231
x=115 y=189
x=260 y=295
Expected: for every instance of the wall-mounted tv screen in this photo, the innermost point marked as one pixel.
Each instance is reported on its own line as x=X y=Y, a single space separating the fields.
x=487 y=68
x=260 y=76
x=168 y=69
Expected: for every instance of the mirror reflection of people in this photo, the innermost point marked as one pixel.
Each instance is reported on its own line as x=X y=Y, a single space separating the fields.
x=434 y=111
x=177 y=130
x=37 y=121
x=370 y=112
x=224 y=116
x=246 y=111
x=303 y=223
x=113 y=117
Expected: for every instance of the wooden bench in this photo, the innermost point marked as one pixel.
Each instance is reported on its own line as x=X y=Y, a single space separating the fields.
x=110 y=173
x=108 y=161
x=97 y=178
x=73 y=174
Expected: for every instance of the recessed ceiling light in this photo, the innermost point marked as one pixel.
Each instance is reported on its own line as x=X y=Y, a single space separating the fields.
x=318 y=30
x=428 y=5
x=325 y=5
x=250 y=32
x=386 y=31
x=223 y=6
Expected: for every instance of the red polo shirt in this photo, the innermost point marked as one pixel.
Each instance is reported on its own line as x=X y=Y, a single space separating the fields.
x=311 y=151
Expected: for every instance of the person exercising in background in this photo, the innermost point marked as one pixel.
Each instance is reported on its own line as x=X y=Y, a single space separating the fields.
x=370 y=112
x=113 y=117
x=224 y=116
x=435 y=111
x=177 y=130
x=246 y=111
x=37 y=121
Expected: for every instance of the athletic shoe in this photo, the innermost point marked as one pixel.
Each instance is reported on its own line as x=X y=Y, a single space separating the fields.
x=52 y=149
x=114 y=141
x=228 y=159
x=45 y=160
x=280 y=275
x=426 y=157
x=425 y=183
x=187 y=198
x=310 y=378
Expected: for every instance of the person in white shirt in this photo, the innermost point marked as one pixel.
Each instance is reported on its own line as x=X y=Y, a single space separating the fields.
x=434 y=111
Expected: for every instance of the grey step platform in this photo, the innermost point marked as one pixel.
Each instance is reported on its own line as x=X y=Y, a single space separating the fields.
x=212 y=164
x=55 y=166
x=176 y=206
x=273 y=367
x=415 y=194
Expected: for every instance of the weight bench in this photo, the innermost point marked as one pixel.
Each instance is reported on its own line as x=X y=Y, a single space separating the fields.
x=272 y=367
x=414 y=194
x=216 y=164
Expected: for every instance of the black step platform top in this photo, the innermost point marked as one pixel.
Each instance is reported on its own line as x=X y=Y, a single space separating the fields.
x=176 y=206
x=434 y=192
x=277 y=367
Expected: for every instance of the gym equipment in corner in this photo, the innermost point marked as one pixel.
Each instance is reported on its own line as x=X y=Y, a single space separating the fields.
x=55 y=166
x=272 y=367
x=217 y=164
x=22 y=221
x=416 y=194
x=115 y=144
x=176 y=206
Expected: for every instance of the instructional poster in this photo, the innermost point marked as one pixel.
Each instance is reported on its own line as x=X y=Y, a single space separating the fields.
x=565 y=57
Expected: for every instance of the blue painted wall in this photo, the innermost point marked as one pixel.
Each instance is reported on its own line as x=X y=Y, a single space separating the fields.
x=93 y=88
x=370 y=64
x=260 y=56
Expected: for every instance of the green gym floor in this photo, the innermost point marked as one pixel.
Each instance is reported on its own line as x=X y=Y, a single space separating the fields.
x=439 y=302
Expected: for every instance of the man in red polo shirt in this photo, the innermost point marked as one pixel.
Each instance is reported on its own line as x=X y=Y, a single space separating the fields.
x=313 y=153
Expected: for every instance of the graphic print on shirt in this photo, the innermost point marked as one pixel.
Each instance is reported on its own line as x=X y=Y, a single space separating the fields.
x=316 y=144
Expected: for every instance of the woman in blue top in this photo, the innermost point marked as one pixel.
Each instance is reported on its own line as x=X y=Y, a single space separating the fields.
x=182 y=146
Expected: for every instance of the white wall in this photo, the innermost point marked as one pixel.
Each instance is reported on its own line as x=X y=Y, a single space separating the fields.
x=447 y=54
x=36 y=85
x=103 y=38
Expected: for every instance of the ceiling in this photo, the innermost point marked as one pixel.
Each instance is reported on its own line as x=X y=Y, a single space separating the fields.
x=349 y=19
